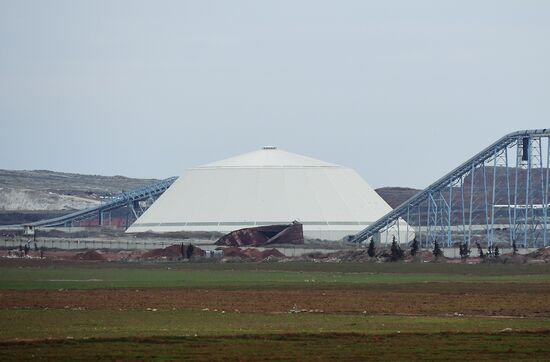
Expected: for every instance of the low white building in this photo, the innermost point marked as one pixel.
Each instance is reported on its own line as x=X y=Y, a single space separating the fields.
x=264 y=187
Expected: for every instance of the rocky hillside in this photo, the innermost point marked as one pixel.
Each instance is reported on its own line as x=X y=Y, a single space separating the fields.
x=395 y=196
x=14 y=199
x=48 y=190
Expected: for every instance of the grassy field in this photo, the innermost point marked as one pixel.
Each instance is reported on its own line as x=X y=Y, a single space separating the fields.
x=56 y=324
x=294 y=347
x=256 y=275
x=273 y=311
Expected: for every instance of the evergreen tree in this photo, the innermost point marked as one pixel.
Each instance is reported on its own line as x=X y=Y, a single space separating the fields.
x=464 y=250
x=396 y=251
x=189 y=251
x=414 y=246
x=371 y=251
x=437 y=252
x=480 y=250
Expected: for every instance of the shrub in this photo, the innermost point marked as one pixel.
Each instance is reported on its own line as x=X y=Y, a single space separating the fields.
x=396 y=251
x=464 y=250
x=480 y=250
x=414 y=246
x=189 y=251
x=437 y=252
x=371 y=251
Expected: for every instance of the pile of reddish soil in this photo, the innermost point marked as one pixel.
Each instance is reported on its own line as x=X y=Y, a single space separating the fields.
x=172 y=252
x=89 y=255
x=540 y=254
x=130 y=255
x=252 y=253
x=232 y=252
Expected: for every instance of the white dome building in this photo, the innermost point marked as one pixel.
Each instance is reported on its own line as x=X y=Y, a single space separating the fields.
x=266 y=187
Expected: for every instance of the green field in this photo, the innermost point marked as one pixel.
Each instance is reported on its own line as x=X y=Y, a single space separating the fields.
x=255 y=275
x=58 y=324
x=204 y=311
x=294 y=347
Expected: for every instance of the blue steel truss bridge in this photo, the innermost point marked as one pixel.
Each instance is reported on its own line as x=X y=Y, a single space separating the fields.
x=499 y=196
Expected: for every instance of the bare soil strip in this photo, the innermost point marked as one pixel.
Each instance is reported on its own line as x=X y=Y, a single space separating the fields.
x=467 y=299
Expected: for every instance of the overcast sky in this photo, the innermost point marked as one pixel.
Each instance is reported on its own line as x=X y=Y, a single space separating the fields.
x=401 y=91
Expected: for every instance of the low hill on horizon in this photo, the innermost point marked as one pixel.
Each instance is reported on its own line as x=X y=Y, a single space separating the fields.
x=37 y=190
x=395 y=196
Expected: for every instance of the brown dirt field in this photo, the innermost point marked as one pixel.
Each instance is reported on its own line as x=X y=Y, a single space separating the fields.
x=493 y=300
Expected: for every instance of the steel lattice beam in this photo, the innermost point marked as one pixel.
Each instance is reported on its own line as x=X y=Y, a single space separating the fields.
x=472 y=203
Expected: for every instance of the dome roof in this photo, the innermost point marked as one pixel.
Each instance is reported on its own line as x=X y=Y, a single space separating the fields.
x=266 y=187
x=268 y=156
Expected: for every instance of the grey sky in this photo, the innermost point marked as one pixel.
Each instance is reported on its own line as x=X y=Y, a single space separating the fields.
x=402 y=91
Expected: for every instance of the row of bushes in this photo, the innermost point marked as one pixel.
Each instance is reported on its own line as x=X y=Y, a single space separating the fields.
x=397 y=253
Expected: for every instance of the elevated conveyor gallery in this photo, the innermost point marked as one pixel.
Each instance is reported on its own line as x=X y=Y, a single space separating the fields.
x=500 y=195
x=129 y=200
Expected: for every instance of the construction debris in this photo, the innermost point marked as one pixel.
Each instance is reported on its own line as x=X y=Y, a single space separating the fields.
x=264 y=235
